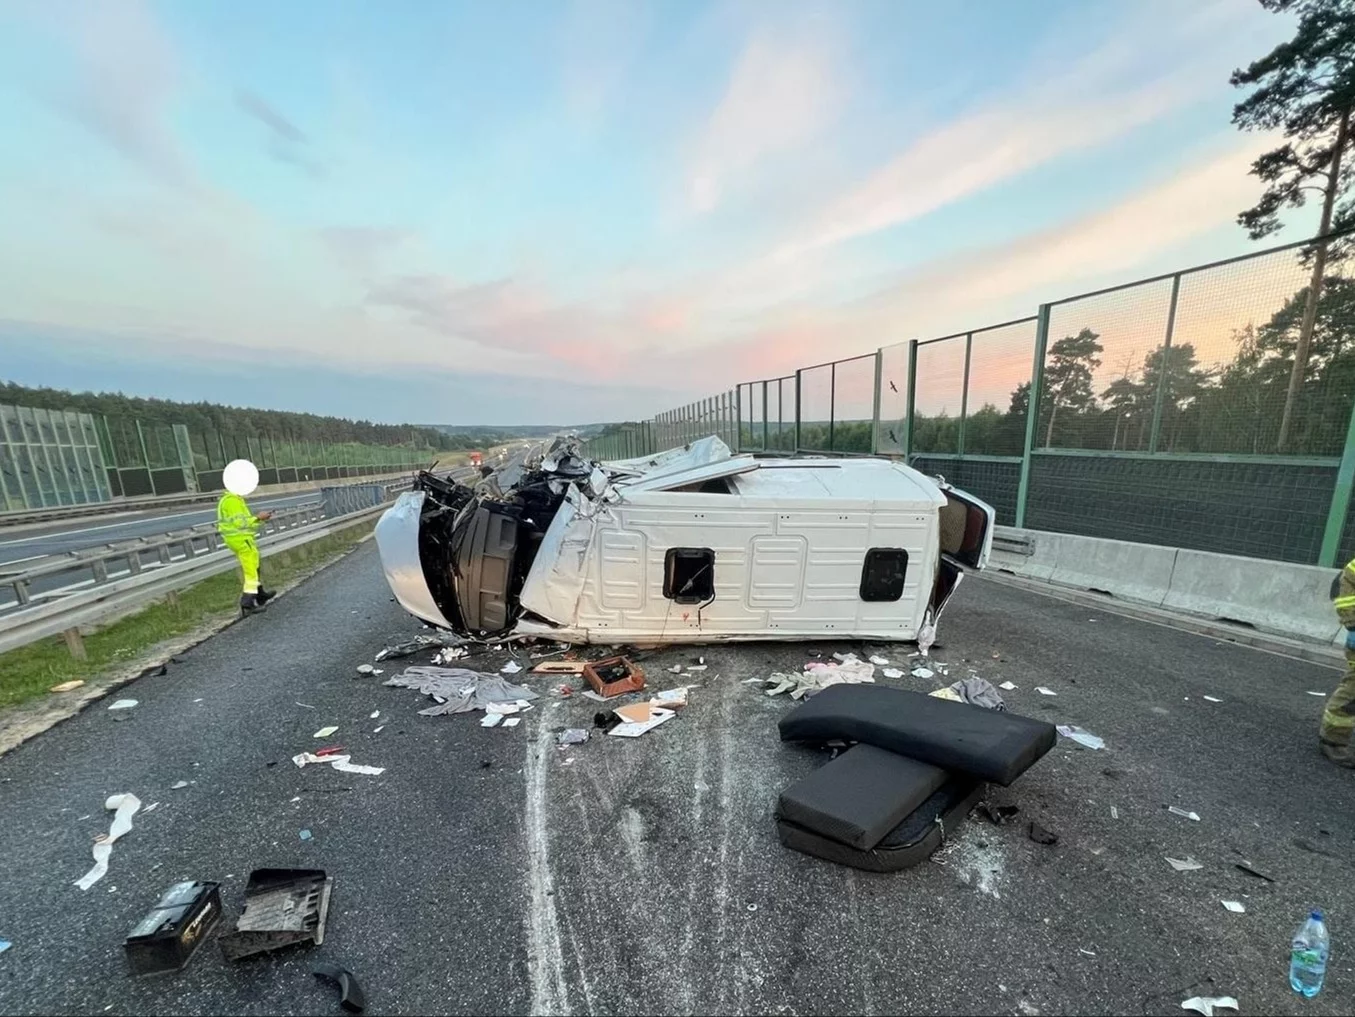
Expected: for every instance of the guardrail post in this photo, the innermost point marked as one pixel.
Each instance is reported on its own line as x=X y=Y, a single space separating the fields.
x=75 y=644
x=1032 y=412
x=1162 y=367
x=1340 y=500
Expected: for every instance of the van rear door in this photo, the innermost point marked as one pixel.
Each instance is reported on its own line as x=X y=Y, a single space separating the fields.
x=966 y=527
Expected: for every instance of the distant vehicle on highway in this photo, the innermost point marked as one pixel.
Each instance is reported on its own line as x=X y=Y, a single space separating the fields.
x=692 y=545
x=476 y=458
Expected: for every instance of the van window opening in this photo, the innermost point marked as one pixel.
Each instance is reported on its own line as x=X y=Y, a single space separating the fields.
x=689 y=575
x=883 y=573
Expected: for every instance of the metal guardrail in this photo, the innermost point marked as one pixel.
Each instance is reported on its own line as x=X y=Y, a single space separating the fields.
x=112 y=590
x=1013 y=545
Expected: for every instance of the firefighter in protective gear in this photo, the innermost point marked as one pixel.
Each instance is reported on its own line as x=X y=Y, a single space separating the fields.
x=239 y=528
x=1338 y=718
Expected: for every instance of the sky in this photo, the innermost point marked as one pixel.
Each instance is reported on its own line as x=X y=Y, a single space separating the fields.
x=572 y=211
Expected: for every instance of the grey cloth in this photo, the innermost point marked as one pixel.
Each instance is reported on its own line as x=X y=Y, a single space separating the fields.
x=420 y=642
x=979 y=692
x=460 y=689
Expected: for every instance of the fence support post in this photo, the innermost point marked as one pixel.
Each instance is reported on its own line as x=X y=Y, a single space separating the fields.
x=1162 y=371
x=964 y=393
x=797 y=410
x=908 y=408
x=764 y=415
x=1340 y=500
x=875 y=405
x=1032 y=412
x=832 y=404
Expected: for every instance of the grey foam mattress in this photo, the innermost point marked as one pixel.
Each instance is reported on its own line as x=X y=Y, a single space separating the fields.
x=913 y=840
x=860 y=796
x=983 y=744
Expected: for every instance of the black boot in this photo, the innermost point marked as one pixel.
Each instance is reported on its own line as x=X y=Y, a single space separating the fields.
x=264 y=596
x=249 y=604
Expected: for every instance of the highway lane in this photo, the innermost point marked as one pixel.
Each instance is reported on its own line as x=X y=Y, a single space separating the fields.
x=93 y=531
x=488 y=871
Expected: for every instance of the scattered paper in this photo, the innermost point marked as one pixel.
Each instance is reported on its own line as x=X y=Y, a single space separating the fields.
x=512 y=667
x=342 y=764
x=5 y=944
x=123 y=704
x=1211 y=699
x=635 y=713
x=1207 y=1004
x=892 y=672
x=670 y=697
x=1044 y=691
x=1235 y=906
x=657 y=716
x=1177 y=811
x=1114 y=812
x=511 y=721
x=573 y=735
x=305 y=835
x=923 y=672
x=123 y=807
x=1316 y=693
x=374 y=714
x=879 y=661
x=490 y=719
x=1081 y=736
x=1008 y=687
x=597 y=697
x=178 y=785
x=947 y=693
x=74 y=683
x=1187 y=864
x=517 y=706
x=378 y=730
x=324 y=732
x=696 y=667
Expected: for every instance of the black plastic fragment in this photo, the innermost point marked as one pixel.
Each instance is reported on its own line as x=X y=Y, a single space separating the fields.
x=350 y=992
x=1040 y=835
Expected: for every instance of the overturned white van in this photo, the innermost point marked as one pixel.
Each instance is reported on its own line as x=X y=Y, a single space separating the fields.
x=692 y=545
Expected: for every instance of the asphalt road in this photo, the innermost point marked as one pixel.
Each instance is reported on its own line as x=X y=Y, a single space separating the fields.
x=93 y=531
x=487 y=871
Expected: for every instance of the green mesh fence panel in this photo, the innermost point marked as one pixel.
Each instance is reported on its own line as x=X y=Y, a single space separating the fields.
x=999 y=389
x=938 y=395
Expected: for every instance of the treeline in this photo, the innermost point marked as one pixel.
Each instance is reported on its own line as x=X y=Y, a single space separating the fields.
x=203 y=417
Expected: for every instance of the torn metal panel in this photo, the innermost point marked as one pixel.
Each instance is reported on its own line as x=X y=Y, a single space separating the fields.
x=397 y=539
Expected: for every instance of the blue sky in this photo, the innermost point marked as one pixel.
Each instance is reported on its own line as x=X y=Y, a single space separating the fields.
x=573 y=211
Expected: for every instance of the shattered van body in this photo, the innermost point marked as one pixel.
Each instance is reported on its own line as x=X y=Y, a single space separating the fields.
x=691 y=545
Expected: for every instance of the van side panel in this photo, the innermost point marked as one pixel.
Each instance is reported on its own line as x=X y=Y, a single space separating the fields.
x=776 y=575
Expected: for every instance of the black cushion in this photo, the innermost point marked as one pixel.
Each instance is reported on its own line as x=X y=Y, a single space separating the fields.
x=986 y=744
x=914 y=840
x=860 y=796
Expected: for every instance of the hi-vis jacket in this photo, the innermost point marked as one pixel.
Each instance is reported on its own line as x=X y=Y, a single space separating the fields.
x=234 y=520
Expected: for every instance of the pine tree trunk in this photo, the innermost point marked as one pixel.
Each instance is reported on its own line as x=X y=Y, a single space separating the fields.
x=1314 y=286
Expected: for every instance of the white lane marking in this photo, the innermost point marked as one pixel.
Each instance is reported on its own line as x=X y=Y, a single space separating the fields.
x=545 y=958
x=20 y=561
x=58 y=534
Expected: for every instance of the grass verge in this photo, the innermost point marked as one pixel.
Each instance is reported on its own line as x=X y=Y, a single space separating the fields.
x=30 y=671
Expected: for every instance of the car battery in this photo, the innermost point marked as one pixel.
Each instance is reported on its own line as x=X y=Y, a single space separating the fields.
x=166 y=939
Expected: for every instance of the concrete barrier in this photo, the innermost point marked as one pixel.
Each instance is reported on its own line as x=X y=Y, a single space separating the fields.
x=1276 y=597
x=1272 y=597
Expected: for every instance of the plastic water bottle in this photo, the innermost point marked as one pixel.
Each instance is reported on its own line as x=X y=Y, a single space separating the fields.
x=1308 y=956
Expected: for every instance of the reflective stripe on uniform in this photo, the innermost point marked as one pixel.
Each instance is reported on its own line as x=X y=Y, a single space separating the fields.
x=1342 y=603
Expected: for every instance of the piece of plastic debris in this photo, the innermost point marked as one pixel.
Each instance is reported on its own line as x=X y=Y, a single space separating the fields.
x=491 y=719
x=879 y=661
x=565 y=691
x=1187 y=864
x=5 y=944
x=325 y=732
x=178 y=785
x=891 y=672
x=752 y=681
x=511 y=721
x=283 y=907
x=366 y=669
x=350 y=992
x=696 y=667
x=374 y=714
x=74 y=683
x=1206 y=1005
x=673 y=698
x=998 y=814
x=305 y=835
x=572 y=736
x=512 y=667
x=150 y=808
x=1311 y=693
x=1040 y=835
x=1008 y=687
x=123 y=704
x=306 y=706
x=1089 y=953
x=378 y=730
x=1246 y=867
x=1114 y=812
x=1235 y=906
x=342 y=764
x=946 y=693
x=506 y=709
x=632 y=729
x=701 y=786
x=1081 y=736
x=923 y=672
x=676 y=669
x=1044 y=691
x=1212 y=699
x=1177 y=811
x=752 y=906
x=123 y=807
x=296 y=799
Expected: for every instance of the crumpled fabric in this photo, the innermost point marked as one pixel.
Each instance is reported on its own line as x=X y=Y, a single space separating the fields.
x=978 y=692
x=847 y=669
x=421 y=642
x=458 y=689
